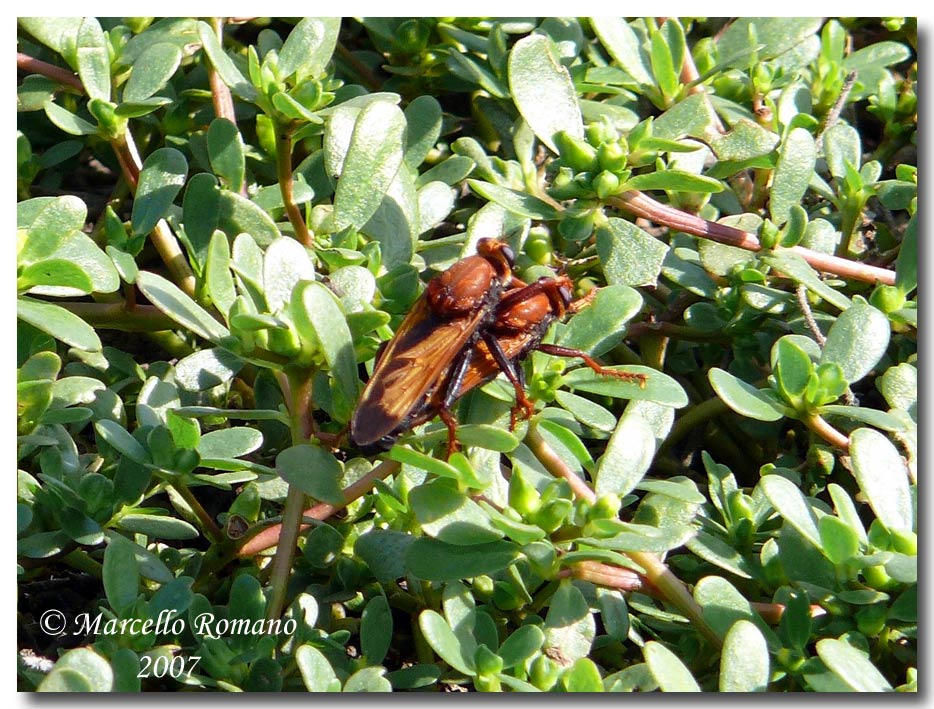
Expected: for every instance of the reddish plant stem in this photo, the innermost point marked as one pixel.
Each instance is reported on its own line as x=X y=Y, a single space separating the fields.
x=37 y=66
x=269 y=537
x=220 y=92
x=641 y=205
x=284 y=174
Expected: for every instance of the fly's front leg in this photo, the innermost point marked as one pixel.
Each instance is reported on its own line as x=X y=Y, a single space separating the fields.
x=559 y=351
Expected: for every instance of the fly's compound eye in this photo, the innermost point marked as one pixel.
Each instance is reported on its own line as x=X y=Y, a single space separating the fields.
x=566 y=295
x=509 y=255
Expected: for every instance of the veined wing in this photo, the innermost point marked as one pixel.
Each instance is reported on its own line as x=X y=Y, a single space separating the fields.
x=410 y=370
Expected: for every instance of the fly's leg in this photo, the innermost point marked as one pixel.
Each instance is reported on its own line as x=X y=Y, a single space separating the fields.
x=451 y=394
x=509 y=369
x=559 y=351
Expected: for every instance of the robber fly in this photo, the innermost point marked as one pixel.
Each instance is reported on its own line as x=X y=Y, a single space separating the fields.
x=412 y=368
x=520 y=322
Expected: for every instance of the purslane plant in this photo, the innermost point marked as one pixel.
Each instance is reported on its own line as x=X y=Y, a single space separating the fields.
x=260 y=202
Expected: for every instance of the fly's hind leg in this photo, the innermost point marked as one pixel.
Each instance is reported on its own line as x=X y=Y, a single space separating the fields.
x=559 y=351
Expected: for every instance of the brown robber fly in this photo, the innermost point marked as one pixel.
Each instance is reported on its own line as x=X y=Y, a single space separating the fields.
x=521 y=319
x=415 y=364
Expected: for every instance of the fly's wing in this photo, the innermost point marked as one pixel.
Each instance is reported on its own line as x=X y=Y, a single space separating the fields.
x=411 y=368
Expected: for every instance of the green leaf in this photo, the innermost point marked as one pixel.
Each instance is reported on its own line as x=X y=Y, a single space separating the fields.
x=443 y=641
x=525 y=205
x=906 y=266
x=368 y=679
x=231 y=442
x=601 y=326
x=450 y=515
x=775 y=36
x=857 y=341
x=882 y=477
x=569 y=625
x=582 y=676
x=157 y=526
x=423 y=128
x=383 y=551
x=170 y=299
x=450 y=171
x=659 y=387
x=49 y=225
x=316 y=671
x=842 y=146
x=521 y=645
x=629 y=255
x=622 y=43
x=791 y=504
x=745 y=141
x=627 y=458
x=490 y=437
x=160 y=181
x=395 y=223
x=873 y=417
x=120 y=573
x=586 y=411
x=225 y=67
x=796 y=159
x=309 y=46
x=376 y=630
x=792 y=368
x=319 y=317
x=152 y=71
x=542 y=90
x=205 y=369
x=838 y=540
x=878 y=54
x=217 y=277
x=663 y=68
x=59 y=323
x=372 y=160
x=54 y=272
x=225 y=150
x=744 y=660
x=672 y=180
x=434 y=560
x=53 y=32
x=79 y=670
x=285 y=264
x=68 y=121
x=744 y=398
x=852 y=666
x=313 y=470
x=93 y=59
x=670 y=673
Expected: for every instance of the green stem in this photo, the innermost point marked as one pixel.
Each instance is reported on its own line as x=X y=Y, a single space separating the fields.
x=210 y=527
x=284 y=176
x=298 y=393
x=675 y=591
x=819 y=425
x=117 y=316
x=692 y=418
